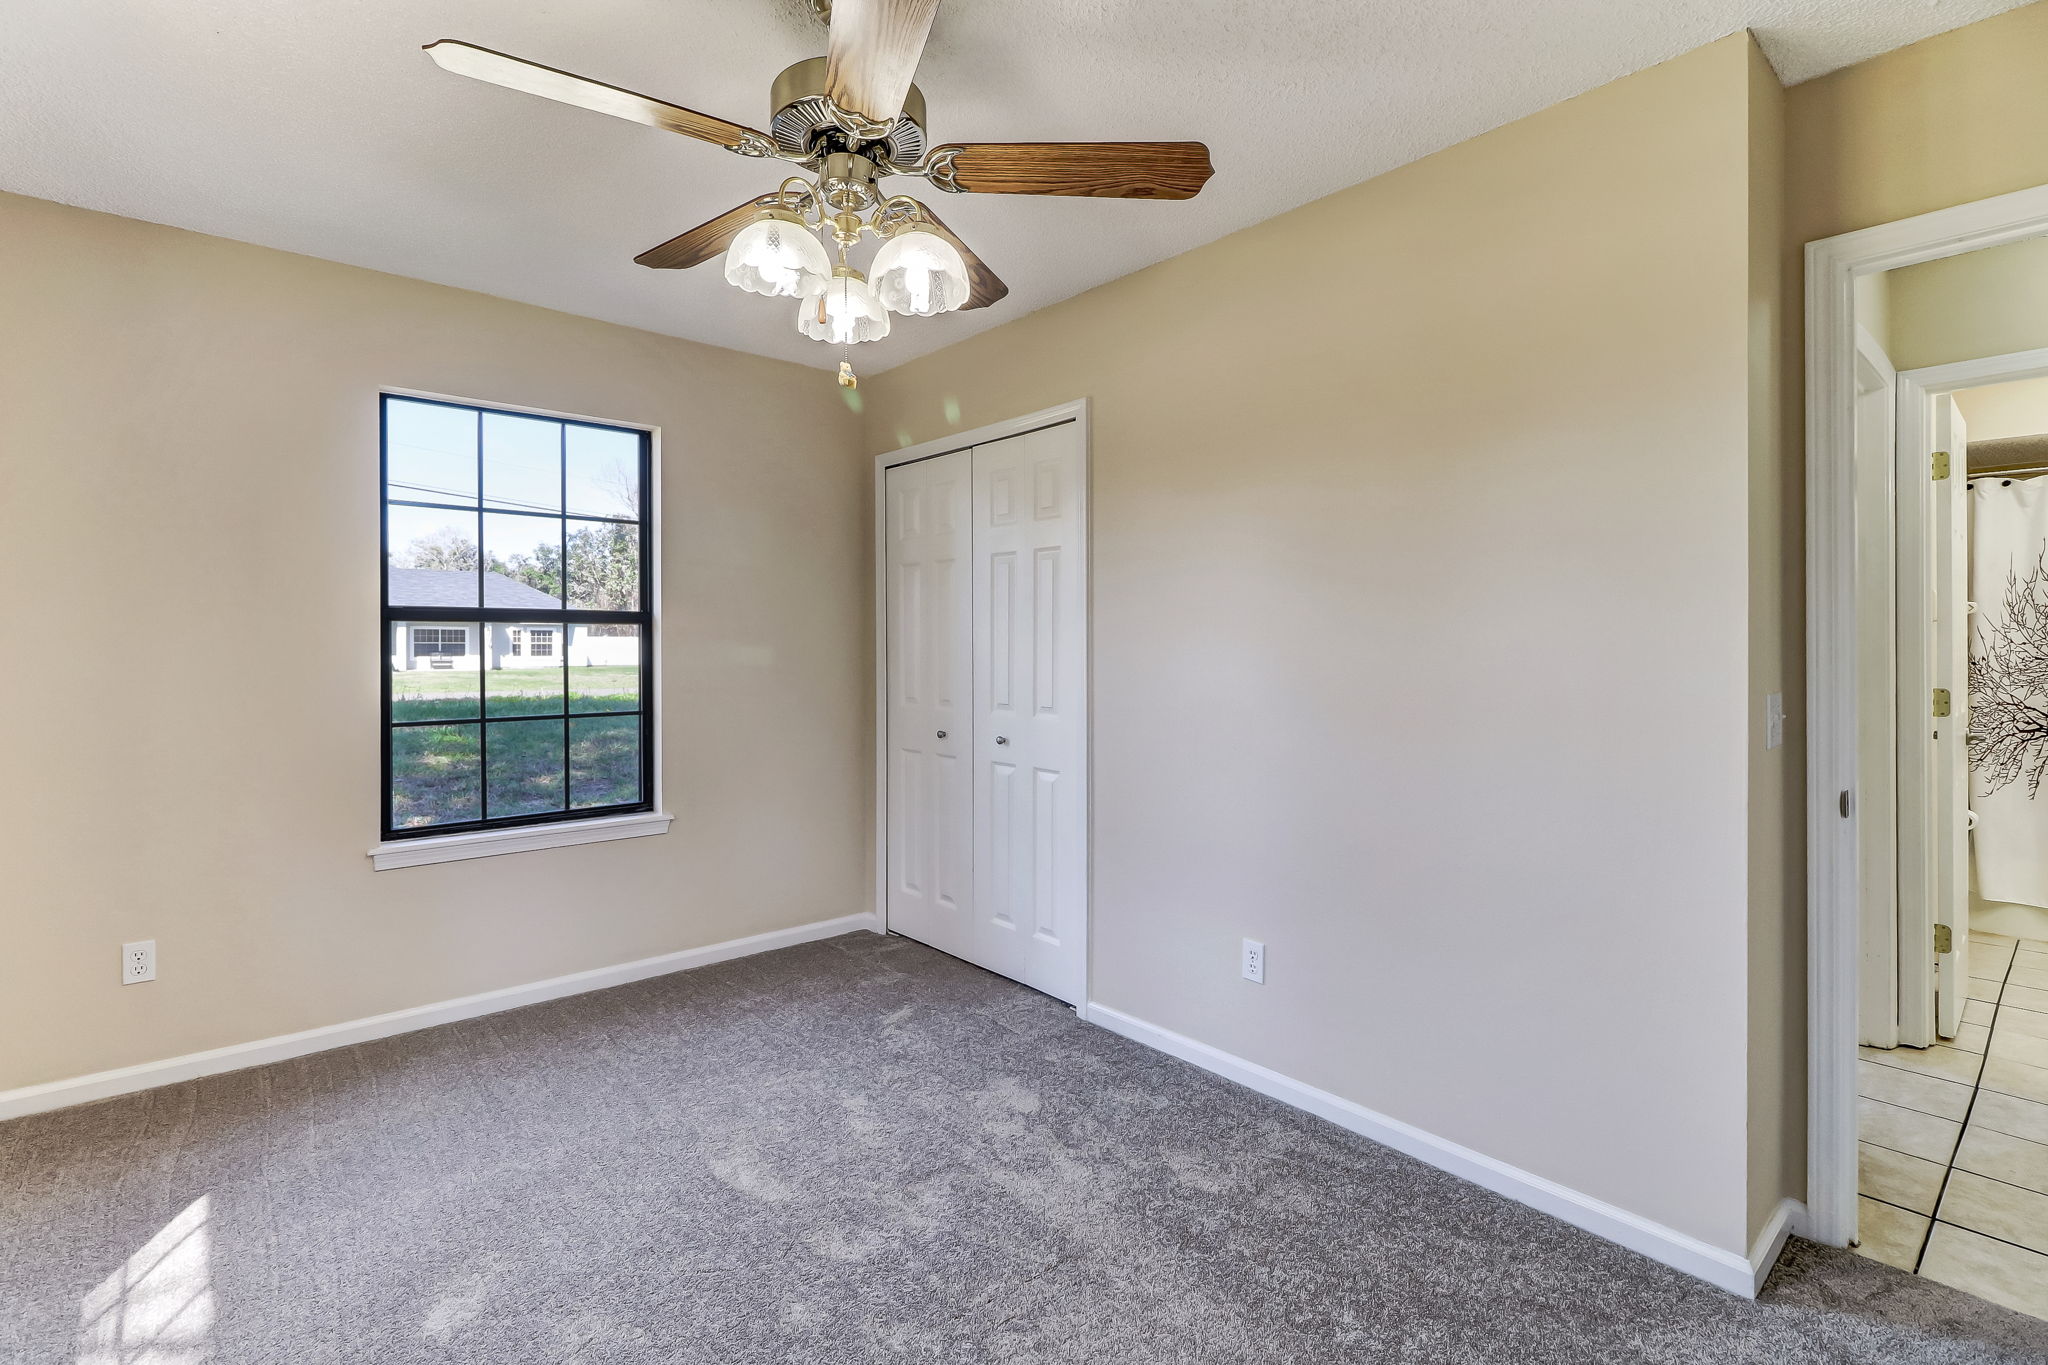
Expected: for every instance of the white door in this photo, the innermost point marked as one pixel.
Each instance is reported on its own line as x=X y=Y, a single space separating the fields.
x=1030 y=679
x=1933 y=718
x=987 y=675
x=1877 y=718
x=1951 y=753
x=929 y=673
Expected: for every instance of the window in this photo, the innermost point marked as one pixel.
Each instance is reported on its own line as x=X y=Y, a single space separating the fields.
x=494 y=518
x=437 y=640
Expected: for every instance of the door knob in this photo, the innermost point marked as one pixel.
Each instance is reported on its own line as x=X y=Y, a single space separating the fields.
x=1002 y=739
x=942 y=734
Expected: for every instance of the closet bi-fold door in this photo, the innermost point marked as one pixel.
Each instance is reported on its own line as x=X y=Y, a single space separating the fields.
x=1030 y=729
x=929 y=670
x=986 y=639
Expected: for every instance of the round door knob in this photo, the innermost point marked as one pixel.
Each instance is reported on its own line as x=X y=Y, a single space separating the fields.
x=1002 y=739
x=942 y=734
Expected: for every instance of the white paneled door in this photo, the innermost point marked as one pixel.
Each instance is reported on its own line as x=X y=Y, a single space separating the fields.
x=930 y=677
x=1014 y=644
x=1029 y=730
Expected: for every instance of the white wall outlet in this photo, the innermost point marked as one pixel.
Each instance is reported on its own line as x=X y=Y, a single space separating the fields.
x=1774 y=720
x=138 y=962
x=1254 y=960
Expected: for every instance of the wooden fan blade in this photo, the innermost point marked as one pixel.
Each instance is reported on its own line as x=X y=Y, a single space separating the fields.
x=1102 y=170
x=872 y=55
x=467 y=59
x=705 y=240
x=983 y=285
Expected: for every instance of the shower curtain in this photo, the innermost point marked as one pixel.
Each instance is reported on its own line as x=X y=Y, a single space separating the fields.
x=2009 y=688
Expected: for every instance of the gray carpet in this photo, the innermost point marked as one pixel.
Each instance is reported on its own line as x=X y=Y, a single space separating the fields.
x=858 y=1150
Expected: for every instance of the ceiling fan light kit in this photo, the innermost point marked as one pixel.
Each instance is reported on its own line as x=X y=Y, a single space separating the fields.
x=851 y=118
x=919 y=273
x=845 y=313
x=778 y=255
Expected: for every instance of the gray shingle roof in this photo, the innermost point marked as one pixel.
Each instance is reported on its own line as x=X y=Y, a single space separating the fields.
x=457 y=588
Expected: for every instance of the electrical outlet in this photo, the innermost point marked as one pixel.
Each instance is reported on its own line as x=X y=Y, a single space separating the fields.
x=1254 y=960
x=1774 y=720
x=138 y=962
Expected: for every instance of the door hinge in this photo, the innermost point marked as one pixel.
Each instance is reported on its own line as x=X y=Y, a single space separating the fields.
x=1940 y=464
x=1944 y=939
x=1941 y=701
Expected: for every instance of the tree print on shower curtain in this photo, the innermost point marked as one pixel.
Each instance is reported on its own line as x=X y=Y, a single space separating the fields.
x=2009 y=689
x=2009 y=686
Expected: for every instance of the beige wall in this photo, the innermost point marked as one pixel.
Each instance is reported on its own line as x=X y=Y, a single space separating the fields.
x=1981 y=303
x=1422 y=634
x=1874 y=307
x=1995 y=412
x=1944 y=121
x=188 y=456
x=1777 y=656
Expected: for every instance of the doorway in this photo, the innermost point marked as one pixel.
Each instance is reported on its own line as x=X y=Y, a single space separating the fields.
x=1952 y=1109
x=982 y=689
x=1902 y=957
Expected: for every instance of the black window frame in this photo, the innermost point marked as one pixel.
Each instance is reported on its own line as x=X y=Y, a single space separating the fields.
x=484 y=618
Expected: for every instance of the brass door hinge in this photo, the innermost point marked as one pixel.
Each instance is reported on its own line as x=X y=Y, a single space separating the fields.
x=1941 y=701
x=1944 y=939
x=1940 y=464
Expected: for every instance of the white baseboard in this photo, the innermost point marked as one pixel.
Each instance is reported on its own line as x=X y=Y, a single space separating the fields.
x=1789 y=1217
x=1729 y=1270
x=34 y=1099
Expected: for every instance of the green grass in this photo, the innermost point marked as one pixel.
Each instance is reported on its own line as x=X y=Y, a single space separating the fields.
x=437 y=775
x=451 y=694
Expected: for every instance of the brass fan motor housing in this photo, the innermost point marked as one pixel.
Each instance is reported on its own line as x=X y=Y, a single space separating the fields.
x=803 y=124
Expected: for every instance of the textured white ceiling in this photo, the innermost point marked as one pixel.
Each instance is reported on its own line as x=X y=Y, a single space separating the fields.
x=323 y=129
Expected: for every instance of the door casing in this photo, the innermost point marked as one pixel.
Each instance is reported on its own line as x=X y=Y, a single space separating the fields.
x=1834 y=823
x=1076 y=412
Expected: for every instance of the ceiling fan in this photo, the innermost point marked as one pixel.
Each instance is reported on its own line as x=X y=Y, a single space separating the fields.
x=849 y=119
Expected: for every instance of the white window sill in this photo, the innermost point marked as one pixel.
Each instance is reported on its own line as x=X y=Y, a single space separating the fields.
x=490 y=843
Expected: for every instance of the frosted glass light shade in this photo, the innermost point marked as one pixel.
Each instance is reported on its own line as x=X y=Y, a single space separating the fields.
x=778 y=255
x=919 y=273
x=845 y=314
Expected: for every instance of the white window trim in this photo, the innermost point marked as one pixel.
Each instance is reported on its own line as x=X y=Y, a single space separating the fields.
x=489 y=843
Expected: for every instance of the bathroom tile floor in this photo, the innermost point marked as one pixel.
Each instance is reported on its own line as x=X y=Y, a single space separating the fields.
x=1954 y=1151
